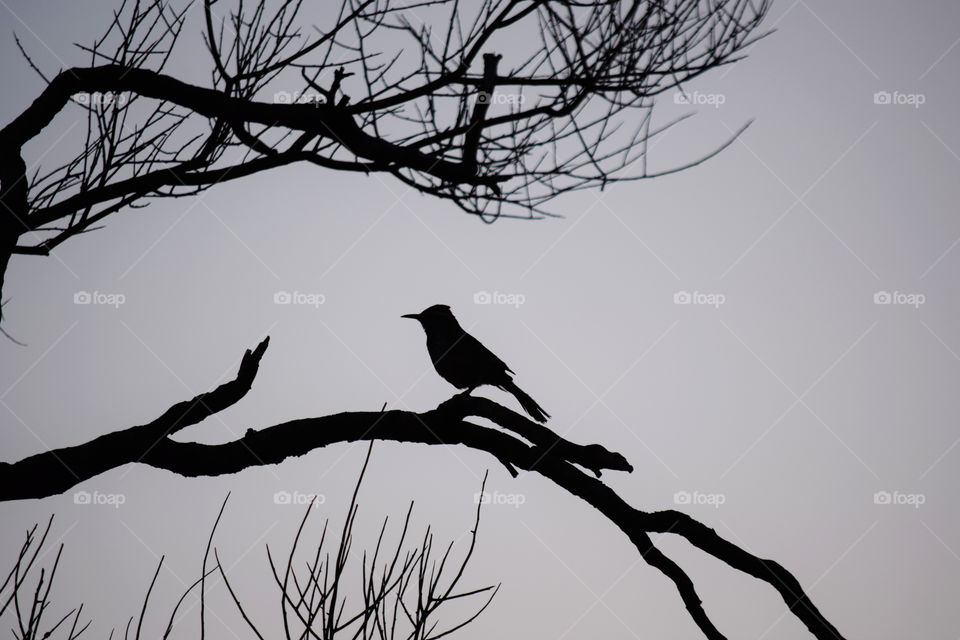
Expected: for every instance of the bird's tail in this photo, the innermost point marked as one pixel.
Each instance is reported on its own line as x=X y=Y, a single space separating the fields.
x=529 y=404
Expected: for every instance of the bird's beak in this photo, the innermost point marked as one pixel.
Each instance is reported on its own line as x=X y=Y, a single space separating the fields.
x=412 y=316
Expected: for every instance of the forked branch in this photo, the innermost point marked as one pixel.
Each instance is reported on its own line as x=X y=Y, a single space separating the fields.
x=521 y=444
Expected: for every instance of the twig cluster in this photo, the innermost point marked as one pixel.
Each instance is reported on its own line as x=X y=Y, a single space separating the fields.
x=401 y=590
x=411 y=88
x=24 y=606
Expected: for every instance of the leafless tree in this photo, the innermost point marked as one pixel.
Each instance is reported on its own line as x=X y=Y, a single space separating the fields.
x=401 y=591
x=498 y=106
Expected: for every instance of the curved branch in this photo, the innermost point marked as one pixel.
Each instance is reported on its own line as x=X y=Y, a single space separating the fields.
x=581 y=73
x=532 y=447
x=327 y=121
x=58 y=470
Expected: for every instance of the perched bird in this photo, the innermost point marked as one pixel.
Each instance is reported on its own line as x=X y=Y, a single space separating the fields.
x=462 y=361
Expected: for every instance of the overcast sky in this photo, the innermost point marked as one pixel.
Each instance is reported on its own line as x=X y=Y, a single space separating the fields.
x=798 y=414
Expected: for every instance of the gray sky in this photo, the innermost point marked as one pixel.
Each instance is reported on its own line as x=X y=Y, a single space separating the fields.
x=791 y=404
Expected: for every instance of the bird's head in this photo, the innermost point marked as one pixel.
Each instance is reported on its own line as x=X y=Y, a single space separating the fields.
x=437 y=314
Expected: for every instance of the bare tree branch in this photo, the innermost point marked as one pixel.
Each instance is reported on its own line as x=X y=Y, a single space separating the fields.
x=539 y=450
x=58 y=470
x=413 y=88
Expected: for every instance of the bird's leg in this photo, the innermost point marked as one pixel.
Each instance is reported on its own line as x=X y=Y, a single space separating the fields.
x=466 y=391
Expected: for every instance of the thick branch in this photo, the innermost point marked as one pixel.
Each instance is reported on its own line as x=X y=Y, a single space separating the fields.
x=547 y=454
x=53 y=472
x=327 y=121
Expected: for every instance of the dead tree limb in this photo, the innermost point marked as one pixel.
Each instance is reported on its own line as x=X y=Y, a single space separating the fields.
x=498 y=106
x=529 y=446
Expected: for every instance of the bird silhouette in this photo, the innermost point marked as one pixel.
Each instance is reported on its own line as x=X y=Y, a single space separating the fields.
x=464 y=362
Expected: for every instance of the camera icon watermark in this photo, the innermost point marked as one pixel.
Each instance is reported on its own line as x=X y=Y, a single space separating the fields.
x=496 y=498
x=99 y=298
x=498 y=297
x=697 y=98
x=697 y=498
x=299 y=298
x=897 y=98
x=298 y=498
x=714 y=300
x=96 y=498
x=899 y=498
x=901 y=298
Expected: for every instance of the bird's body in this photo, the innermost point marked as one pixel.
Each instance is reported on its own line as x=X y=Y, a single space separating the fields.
x=464 y=362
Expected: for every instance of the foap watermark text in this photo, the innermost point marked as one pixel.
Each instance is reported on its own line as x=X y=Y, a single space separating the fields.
x=97 y=498
x=99 y=298
x=899 y=498
x=500 y=298
x=699 y=498
x=496 y=498
x=300 y=298
x=901 y=298
x=298 y=498
x=699 y=298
